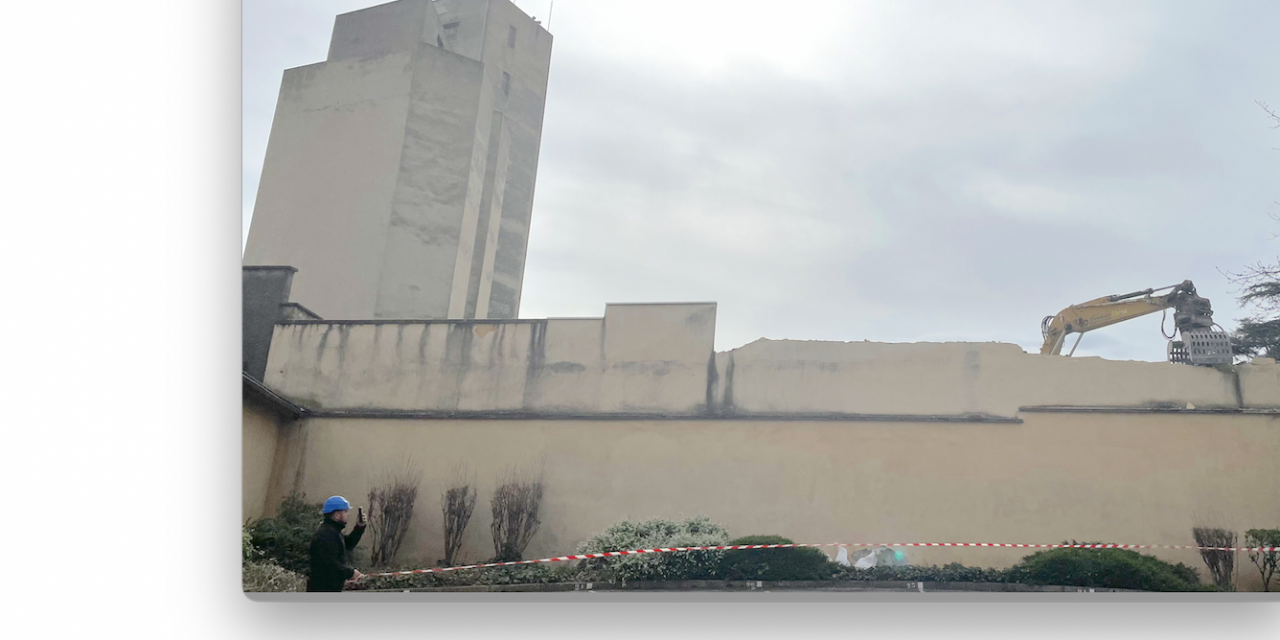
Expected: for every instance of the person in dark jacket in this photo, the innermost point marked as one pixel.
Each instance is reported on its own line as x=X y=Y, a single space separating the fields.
x=331 y=551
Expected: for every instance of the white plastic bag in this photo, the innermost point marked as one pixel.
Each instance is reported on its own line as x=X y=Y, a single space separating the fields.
x=881 y=556
x=867 y=561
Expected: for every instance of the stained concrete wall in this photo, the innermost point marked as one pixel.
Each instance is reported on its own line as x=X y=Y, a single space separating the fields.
x=634 y=415
x=659 y=358
x=399 y=173
x=1121 y=478
x=525 y=59
x=638 y=358
x=769 y=376
x=394 y=27
x=259 y=430
x=437 y=191
x=329 y=179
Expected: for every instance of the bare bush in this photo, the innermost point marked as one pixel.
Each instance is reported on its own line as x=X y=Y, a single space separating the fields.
x=1266 y=561
x=515 y=506
x=456 y=503
x=390 y=511
x=1221 y=563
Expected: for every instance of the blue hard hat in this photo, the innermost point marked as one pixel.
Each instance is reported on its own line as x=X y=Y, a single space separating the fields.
x=336 y=503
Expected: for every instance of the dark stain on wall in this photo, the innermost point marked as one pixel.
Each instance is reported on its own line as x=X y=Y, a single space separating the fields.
x=647 y=367
x=699 y=319
x=495 y=354
x=564 y=367
x=502 y=301
x=972 y=368
x=324 y=340
x=457 y=356
x=536 y=362
x=713 y=377
x=422 y=343
x=344 y=333
x=728 y=386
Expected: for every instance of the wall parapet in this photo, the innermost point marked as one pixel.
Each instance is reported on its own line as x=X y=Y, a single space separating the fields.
x=636 y=359
x=659 y=360
x=634 y=416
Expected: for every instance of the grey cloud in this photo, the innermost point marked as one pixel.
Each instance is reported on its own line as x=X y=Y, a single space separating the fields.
x=943 y=182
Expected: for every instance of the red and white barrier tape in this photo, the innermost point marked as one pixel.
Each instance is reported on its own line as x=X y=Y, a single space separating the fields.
x=610 y=554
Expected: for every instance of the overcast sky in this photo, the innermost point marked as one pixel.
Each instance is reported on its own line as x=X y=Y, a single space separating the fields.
x=885 y=171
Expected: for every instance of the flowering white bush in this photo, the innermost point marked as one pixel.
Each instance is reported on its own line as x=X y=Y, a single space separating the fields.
x=681 y=565
x=268 y=576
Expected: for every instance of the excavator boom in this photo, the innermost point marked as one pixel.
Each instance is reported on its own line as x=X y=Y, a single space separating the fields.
x=1193 y=316
x=1093 y=315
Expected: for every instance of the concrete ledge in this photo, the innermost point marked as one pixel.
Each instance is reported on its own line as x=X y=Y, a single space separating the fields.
x=295 y=311
x=253 y=388
x=1183 y=410
x=263 y=267
x=386 y=414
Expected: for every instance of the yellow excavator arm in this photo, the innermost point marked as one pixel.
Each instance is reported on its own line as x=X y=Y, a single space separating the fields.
x=1109 y=310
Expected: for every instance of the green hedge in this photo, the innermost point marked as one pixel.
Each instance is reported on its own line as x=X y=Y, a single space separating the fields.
x=1098 y=568
x=805 y=563
x=286 y=538
x=260 y=573
x=1109 y=568
x=953 y=572
x=281 y=542
x=651 y=534
x=520 y=574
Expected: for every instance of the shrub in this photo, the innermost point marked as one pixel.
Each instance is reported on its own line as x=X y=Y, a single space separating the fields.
x=1105 y=568
x=520 y=574
x=685 y=565
x=1109 y=568
x=515 y=505
x=259 y=573
x=1266 y=561
x=268 y=576
x=247 y=552
x=285 y=539
x=953 y=572
x=805 y=563
x=1221 y=563
x=456 y=505
x=390 y=511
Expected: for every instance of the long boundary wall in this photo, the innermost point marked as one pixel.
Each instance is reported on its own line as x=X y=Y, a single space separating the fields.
x=634 y=415
x=1050 y=477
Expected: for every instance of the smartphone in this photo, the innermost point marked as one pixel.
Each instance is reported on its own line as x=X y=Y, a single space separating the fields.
x=360 y=515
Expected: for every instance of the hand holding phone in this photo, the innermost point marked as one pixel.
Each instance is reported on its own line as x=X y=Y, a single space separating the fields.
x=360 y=515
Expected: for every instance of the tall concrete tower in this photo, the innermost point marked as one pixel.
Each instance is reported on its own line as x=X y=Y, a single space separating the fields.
x=399 y=173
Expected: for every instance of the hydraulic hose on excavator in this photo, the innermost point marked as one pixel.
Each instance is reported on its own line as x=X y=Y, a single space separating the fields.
x=1193 y=318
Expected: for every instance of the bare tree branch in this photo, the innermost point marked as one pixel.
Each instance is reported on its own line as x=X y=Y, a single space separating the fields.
x=390 y=510
x=1270 y=113
x=1221 y=564
x=457 y=504
x=515 y=506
